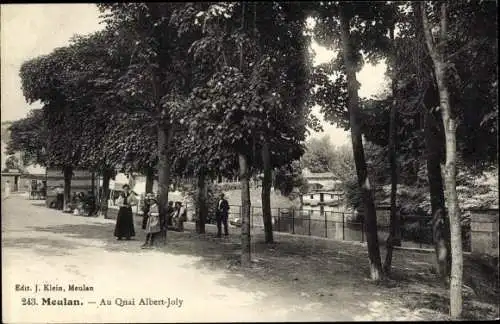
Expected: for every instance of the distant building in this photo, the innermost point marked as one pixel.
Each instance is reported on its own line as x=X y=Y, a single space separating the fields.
x=324 y=181
x=316 y=204
x=12 y=176
x=325 y=198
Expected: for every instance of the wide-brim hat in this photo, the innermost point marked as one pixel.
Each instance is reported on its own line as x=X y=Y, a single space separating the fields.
x=150 y=196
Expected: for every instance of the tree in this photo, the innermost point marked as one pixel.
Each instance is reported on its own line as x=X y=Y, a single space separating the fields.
x=319 y=154
x=437 y=50
x=116 y=138
x=395 y=230
x=469 y=73
x=197 y=156
x=284 y=39
x=12 y=162
x=251 y=68
x=354 y=28
x=80 y=85
x=288 y=177
x=54 y=80
x=29 y=135
x=157 y=76
x=417 y=96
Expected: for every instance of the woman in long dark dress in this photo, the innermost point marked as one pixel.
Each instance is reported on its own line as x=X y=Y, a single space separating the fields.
x=125 y=220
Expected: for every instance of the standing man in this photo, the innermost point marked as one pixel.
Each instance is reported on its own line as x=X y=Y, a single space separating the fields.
x=222 y=215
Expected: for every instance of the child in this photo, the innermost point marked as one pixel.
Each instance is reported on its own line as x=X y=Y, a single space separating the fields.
x=153 y=225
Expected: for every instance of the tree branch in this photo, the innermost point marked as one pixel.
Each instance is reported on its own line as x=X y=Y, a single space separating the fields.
x=465 y=47
x=444 y=22
x=427 y=32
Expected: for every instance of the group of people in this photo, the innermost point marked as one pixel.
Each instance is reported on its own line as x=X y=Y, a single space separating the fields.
x=84 y=203
x=38 y=190
x=80 y=204
x=153 y=224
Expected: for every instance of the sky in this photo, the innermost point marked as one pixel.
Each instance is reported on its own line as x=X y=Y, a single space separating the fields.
x=30 y=30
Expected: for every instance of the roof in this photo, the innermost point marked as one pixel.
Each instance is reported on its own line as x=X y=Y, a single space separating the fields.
x=11 y=172
x=322 y=175
x=329 y=192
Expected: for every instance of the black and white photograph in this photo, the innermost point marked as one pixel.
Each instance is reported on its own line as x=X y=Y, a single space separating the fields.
x=218 y=162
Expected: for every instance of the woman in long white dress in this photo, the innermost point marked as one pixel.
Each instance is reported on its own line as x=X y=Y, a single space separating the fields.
x=7 y=190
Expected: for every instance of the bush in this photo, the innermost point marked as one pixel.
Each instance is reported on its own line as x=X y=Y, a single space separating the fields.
x=213 y=193
x=421 y=232
x=417 y=231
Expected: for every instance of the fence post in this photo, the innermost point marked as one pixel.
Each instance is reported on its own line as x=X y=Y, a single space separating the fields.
x=362 y=230
x=343 y=226
x=251 y=217
x=420 y=230
x=309 y=222
x=326 y=226
x=279 y=224
x=293 y=221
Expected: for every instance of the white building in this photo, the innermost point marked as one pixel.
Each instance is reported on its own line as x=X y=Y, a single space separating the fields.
x=318 y=203
x=321 y=181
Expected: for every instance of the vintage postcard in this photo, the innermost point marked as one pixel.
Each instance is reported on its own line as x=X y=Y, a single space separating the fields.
x=249 y=161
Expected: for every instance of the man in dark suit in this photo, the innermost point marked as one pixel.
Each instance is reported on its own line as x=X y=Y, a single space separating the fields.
x=222 y=215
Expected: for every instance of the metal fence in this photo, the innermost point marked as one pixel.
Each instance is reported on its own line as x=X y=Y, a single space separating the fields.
x=416 y=231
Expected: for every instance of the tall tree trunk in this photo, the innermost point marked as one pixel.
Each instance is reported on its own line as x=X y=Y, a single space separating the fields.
x=434 y=142
x=370 y=216
x=437 y=53
x=106 y=177
x=150 y=173
x=394 y=238
x=245 y=211
x=266 y=193
x=202 y=203
x=68 y=174
x=165 y=136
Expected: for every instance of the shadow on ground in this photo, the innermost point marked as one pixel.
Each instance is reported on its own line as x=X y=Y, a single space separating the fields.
x=289 y=266
x=42 y=246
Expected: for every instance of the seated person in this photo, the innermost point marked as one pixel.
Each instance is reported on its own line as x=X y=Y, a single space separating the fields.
x=89 y=204
x=180 y=216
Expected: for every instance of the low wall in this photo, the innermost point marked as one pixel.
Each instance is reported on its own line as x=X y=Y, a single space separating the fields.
x=484 y=232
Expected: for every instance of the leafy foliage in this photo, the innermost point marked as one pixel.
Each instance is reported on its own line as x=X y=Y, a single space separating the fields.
x=289 y=177
x=29 y=135
x=319 y=155
x=12 y=162
x=213 y=194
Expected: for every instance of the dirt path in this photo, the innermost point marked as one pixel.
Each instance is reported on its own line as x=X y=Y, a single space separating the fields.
x=46 y=246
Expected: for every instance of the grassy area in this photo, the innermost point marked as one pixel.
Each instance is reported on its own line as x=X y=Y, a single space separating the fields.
x=333 y=271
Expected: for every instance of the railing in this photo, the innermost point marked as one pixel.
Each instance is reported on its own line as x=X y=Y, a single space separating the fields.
x=416 y=231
